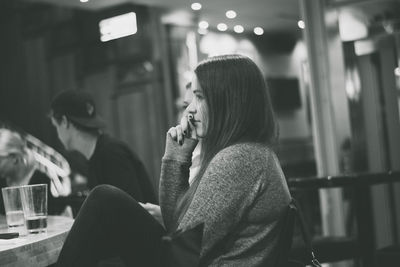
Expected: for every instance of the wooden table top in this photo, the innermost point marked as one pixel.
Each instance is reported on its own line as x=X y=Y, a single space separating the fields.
x=35 y=250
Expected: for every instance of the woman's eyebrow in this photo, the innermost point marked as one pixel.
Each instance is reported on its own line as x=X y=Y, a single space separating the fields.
x=197 y=91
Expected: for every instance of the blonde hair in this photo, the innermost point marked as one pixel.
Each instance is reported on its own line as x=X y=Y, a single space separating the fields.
x=11 y=143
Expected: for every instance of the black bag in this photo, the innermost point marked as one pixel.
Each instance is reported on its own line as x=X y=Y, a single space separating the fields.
x=182 y=248
x=312 y=261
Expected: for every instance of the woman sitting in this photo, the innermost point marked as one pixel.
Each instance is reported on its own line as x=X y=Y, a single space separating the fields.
x=239 y=193
x=19 y=167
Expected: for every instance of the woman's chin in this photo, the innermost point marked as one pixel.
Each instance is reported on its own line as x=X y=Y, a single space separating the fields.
x=200 y=134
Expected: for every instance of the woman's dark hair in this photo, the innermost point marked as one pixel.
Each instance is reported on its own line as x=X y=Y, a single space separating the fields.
x=238 y=104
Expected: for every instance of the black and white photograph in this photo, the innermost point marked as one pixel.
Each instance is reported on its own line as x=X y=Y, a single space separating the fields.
x=204 y=133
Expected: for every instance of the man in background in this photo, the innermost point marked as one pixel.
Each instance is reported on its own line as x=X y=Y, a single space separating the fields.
x=73 y=114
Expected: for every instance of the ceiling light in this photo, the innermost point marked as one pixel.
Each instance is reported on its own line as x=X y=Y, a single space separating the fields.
x=301 y=24
x=203 y=24
x=238 y=28
x=230 y=14
x=258 y=31
x=397 y=71
x=84 y=1
x=118 y=26
x=196 y=6
x=222 y=27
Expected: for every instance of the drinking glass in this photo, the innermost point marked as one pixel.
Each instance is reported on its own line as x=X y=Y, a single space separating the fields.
x=13 y=208
x=34 y=204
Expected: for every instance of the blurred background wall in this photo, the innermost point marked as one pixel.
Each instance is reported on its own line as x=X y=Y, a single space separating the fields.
x=136 y=81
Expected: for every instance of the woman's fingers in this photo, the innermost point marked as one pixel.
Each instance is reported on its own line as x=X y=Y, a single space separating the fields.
x=60 y=186
x=176 y=134
x=185 y=125
x=172 y=133
x=192 y=131
x=188 y=128
x=179 y=134
x=185 y=129
x=53 y=189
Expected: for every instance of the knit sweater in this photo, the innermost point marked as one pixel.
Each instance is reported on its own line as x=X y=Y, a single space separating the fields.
x=241 y=199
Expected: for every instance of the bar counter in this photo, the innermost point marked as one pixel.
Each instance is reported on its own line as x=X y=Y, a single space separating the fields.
x=34 y=250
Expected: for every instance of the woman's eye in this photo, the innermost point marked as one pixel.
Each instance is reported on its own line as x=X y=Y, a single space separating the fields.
x=199 y=96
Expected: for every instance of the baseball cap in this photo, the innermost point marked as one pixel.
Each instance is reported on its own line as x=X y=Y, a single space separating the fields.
x=79 y=107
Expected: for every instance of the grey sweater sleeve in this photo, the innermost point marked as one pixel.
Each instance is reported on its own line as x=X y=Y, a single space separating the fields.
x=227 y=190
x=174 y=176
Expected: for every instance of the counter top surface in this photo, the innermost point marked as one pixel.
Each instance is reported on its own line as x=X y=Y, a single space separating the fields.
x=35 y=249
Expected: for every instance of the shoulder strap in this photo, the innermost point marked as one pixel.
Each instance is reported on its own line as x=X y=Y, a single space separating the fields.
x=305 y=234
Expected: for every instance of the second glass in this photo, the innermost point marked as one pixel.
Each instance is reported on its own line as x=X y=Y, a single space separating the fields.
x=34 y=203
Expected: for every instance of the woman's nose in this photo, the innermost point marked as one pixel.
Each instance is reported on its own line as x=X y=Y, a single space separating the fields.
x=191 y=108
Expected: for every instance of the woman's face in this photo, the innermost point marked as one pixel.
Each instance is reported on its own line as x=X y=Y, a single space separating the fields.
x=9 y=165
x=197 y=107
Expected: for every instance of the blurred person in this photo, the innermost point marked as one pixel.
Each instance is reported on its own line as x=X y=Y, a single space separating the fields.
x=239 y=192
x=79 y=128
x=19 y=167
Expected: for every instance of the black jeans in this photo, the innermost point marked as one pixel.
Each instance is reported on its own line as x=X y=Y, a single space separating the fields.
x=111 y=223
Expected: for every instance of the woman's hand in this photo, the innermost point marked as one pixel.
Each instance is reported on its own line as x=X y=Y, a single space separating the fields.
x=181 y=141
x=185 y=129
x=154 y=211
x=59 y=186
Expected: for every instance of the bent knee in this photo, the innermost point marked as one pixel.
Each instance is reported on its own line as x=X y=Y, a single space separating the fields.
x=103 y=190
